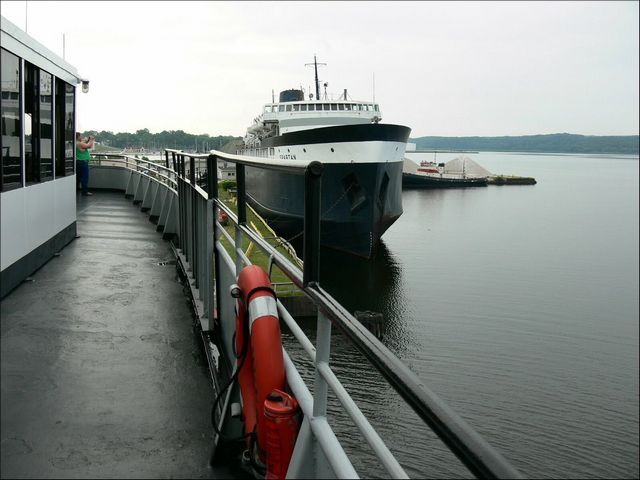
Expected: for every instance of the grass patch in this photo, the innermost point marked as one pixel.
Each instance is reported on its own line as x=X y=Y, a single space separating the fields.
x=284 y=287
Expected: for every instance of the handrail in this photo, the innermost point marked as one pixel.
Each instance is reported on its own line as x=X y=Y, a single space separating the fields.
x=144 y=167
x=297 y=167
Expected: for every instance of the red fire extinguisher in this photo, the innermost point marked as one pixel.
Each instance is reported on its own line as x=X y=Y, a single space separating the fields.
x=283 y=418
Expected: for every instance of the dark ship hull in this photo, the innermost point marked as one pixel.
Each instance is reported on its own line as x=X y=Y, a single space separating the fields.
x=359 y=200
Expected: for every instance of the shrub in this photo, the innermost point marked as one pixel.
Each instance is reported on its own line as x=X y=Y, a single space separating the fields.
x=227 y=184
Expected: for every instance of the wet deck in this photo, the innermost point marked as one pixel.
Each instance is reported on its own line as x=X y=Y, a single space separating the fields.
x=102 y=375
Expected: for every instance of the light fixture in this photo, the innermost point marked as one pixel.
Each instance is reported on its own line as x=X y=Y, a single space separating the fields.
x=85 y=86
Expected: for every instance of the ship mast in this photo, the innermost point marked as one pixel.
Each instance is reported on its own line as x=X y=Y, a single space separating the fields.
x=315 y=65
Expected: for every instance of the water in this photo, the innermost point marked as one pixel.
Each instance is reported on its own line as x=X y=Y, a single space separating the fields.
x=518 y=305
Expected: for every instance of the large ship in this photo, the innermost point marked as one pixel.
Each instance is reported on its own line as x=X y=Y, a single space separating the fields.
x=362 y=167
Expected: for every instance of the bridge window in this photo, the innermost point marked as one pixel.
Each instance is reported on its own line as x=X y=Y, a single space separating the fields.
x=281 y=108
x=347 y=106
x=296 y=108
x=288 y=108
x=334 y=106
x=11 y=166
x=303 y=107
x=341 y=106
x=326 y=106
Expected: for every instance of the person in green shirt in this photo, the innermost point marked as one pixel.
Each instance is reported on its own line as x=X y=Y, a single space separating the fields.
x=82 y=161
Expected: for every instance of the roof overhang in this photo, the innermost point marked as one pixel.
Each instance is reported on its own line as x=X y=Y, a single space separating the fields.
x=21 y=44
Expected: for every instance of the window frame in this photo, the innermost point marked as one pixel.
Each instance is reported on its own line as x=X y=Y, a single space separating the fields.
x=7 y=186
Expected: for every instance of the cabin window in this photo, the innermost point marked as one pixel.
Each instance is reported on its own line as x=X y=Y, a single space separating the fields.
x=303 y=107
x=296 y=108
x=288 y=108
x=46 y=126
x=69 y=129
x=31 y=106
x=281 y=108
x=347 y=106
x=334 y=106
x=267 y=109
x=64 y=129
x=325 y=106
x=11 y=166
x=341 y=106
x=376 y=107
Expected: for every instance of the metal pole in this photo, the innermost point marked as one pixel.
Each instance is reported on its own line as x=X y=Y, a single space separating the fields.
x=194 y=219
x=323 y=345
x=212 y=190
x=242 y=212
x=311 y=247
x=183 y=196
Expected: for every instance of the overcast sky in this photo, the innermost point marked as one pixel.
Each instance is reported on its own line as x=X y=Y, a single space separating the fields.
x=451 y=68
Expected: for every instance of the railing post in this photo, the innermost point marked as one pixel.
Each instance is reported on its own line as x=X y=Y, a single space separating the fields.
x=176 y=172
x=311 y=246
x=212 y=190
x=242 y=211
x=194 y=219
x=323 y=345
x=183 y=203
x=166 y=159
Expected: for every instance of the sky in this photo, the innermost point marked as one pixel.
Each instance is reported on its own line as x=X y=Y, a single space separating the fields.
x=441 y=68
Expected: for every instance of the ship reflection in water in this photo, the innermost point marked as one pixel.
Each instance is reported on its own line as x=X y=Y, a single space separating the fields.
x=376 y=285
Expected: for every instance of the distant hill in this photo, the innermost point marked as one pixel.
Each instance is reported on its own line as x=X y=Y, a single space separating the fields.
x=553 y=143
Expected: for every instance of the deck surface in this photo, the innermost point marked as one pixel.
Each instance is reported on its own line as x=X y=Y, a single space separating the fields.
x=102 y=373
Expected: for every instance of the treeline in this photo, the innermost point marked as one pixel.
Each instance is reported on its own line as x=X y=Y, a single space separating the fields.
x=553 y=143
x=176 y=139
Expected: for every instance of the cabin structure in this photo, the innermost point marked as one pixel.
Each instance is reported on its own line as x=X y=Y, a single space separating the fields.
x=37 y=171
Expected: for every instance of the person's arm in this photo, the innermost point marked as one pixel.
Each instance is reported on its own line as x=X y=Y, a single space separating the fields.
x=86 y=145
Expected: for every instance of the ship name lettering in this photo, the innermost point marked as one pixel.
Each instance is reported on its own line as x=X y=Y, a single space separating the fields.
x=287 y=157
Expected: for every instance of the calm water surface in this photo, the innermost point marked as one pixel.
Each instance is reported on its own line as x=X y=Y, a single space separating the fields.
x=518 y=305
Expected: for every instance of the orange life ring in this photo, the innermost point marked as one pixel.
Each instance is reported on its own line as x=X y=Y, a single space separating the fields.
x=258 y=340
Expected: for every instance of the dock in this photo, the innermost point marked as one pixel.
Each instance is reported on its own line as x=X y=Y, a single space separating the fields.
x=102 y=376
